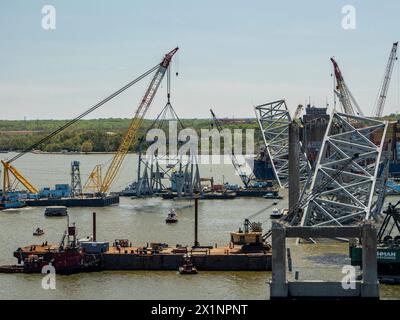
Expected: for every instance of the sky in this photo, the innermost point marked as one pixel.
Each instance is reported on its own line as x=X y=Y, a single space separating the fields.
x=233 y=55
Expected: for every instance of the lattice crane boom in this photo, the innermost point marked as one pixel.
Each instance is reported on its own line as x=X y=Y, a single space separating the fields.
x=243 y=176
x=349 y=103
x=386 y=81
x=136 y=122
x=9 y=171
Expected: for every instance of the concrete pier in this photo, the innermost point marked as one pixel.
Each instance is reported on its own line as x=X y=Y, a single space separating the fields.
x=294 y=166
x=280 y=288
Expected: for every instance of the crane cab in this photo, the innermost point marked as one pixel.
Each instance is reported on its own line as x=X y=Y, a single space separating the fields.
x=242 y=238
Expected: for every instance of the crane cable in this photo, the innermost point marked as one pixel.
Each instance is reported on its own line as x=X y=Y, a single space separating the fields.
x=260 y=211
x=71 y=122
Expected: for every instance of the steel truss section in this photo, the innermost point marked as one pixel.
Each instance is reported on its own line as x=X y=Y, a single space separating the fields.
x=347 y=183
x=274 y=119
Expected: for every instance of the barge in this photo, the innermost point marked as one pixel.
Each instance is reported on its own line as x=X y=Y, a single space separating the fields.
x=388 y=247
x=74 y=202
x=204 y=196
x=74 y=256
x=139 y=258
x=256 y=192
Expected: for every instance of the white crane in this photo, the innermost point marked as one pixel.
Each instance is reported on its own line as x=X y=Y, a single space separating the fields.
x=381 y=99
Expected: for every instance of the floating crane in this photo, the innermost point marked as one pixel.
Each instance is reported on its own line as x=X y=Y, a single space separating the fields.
x=10 y=171
x=243 y=176
x=380 y=103
x=137 y=120
x=346 y=98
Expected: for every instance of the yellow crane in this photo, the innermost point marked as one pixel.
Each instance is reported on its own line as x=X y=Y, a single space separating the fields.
x=133 y=129
x=94 y=182
x=95 y=178
x=8 y=184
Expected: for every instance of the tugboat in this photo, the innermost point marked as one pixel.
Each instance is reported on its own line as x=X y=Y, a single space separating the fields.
x=187 y=266
x=276 y=214
x=67 y=257
x=171 y=218
x=38 y=232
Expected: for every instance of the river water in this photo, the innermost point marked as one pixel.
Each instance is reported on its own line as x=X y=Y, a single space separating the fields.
x=142 y=221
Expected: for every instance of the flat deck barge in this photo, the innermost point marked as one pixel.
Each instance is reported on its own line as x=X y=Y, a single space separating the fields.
x=252 y=192
x=216 y=259
x=205 y=196
x=140 y=258
x=74 y=202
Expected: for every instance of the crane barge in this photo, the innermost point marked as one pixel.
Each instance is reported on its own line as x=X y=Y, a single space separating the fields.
x=12 y=176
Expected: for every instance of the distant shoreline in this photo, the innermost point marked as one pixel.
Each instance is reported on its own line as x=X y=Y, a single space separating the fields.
x=74 y=152
x=63 y=153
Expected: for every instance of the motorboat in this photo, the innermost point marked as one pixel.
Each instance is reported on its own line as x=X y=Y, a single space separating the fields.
x=38 y=232
x=276 y=213
x=272 y=195
x=171 y=218
x=187 y=266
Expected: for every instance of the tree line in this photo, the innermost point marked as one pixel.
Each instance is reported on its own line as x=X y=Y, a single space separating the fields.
x=94 y=135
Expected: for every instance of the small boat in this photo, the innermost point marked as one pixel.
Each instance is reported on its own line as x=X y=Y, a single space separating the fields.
x=276 y=214
x=187 y=266
x=171 y=218
x=56 y=211
x=169 y=195
x=272 y=195
x=38 y=232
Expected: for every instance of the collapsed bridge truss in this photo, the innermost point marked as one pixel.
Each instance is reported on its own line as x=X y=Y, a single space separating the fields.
x=348 y=182
x=274 y=119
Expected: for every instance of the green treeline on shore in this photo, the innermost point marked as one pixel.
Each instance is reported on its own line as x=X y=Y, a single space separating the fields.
x=96 y=135
x=102 y=135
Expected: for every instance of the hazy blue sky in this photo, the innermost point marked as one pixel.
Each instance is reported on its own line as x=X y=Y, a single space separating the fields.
x=233 y=54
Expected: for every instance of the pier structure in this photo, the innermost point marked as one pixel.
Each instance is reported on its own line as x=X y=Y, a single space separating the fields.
x=274 y=119
x=346 y=185
x=368 y=287
x=294 y=166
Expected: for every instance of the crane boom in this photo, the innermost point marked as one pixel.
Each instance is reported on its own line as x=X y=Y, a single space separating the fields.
x=345 y=96
x=386 y=81
x=9 y=170
x=243 y=176
x=136 y=122
x=7 y=185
